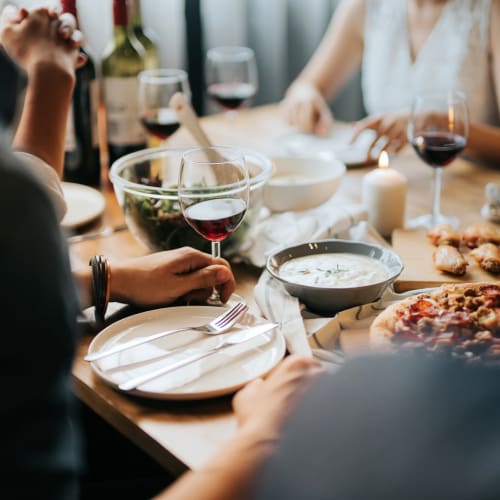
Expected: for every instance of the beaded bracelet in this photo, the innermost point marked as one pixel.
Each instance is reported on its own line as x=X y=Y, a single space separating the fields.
x=101 y=285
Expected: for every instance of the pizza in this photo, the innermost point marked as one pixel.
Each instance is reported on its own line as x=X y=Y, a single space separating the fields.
x=462 y=320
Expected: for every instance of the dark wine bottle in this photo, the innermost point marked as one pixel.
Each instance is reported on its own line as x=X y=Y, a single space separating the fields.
x=122 y=61
x=12 y=85
x=82 y=163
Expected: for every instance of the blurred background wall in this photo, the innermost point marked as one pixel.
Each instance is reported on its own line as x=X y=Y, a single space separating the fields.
x=283 y=33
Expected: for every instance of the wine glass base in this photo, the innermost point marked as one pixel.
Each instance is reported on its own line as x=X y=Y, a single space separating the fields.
x=215 y=301
x=231 y=115
x=428 y=221
x=233 y=299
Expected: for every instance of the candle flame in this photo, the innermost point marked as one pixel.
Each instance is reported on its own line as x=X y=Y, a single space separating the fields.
x=383 y=160
x=451 y=118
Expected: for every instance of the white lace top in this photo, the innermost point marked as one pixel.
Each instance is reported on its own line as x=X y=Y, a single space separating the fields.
x=456 y=55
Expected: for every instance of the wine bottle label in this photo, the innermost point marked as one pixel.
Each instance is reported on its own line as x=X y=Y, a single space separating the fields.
x=94 y=111
x=70 y=139
x=124 y=127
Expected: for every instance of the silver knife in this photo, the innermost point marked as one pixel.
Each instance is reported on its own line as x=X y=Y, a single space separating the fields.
x=224 y=342
x=107 y=231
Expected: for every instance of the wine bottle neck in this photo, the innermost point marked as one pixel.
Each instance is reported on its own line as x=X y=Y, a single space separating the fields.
x=120 y=14
x=135 y=14
x=120 y=34
x=69 y=6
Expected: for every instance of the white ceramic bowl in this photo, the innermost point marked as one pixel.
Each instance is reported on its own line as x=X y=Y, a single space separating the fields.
x=302 y=183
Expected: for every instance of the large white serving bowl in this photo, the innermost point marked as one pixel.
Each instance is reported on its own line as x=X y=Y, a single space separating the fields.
x=302 y=183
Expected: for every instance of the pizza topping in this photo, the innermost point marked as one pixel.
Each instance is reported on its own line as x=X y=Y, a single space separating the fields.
x=487 y=318
x=422 y=308
x=458 y=320
x=486 y=335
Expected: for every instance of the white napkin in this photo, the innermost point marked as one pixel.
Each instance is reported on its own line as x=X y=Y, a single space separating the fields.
x=306 y=333
x=274 y=231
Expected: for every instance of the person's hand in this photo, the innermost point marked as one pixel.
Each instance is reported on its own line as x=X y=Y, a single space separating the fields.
x=388 y=127
x=41 y=38
x=164 y=277
x=263 y=406
x=305 y=108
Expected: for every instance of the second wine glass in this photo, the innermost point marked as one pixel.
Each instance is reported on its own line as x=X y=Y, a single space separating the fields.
x=438 y=128
x=213 y=194
x=156 y=88
x=231 y=74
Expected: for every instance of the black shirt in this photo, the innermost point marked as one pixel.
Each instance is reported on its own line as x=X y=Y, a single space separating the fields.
x=392 y=428
x=39 y=446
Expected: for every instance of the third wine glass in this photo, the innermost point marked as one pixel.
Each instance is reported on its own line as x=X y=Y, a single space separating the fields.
x=231 y=74
x=438 y=128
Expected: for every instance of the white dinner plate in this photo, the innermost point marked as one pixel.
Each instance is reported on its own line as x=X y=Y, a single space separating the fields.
x=353 y=155
x=222 y=373
x=84 y=204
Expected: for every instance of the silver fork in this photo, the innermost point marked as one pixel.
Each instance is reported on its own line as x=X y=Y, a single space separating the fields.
x=220 y=324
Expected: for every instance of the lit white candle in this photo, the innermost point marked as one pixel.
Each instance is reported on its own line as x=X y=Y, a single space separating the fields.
x=384 y=197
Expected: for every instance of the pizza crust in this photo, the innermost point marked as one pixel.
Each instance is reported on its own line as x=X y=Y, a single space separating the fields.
x=383 y=326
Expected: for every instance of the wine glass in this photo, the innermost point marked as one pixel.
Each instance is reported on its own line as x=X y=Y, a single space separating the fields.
x=231 y=77
x=213 y=193
x=438 y=128
x=156 y=87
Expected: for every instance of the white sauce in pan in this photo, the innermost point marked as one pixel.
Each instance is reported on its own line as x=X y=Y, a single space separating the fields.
x=333 y=270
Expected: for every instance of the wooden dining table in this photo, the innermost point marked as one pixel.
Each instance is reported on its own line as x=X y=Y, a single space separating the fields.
x=185 y=435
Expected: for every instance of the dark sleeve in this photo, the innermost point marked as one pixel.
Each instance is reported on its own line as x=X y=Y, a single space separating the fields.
x=392 y=429
x=39 y=445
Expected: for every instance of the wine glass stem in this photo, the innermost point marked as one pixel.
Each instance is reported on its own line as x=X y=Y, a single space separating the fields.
x=216 y=249
x=436 y=204
x=215 y=298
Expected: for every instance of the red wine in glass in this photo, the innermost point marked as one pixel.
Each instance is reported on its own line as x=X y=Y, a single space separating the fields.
x=438 y=127
x=161 y=123
x=438 y=149
x=231 y=95
x=216 y=219
x=214 y=191
x=231 y=77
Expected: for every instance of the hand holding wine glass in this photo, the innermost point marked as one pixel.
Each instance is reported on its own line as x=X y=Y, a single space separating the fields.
x=156 y=87
x=213 y=194
x=231 y=75
x=438 y=128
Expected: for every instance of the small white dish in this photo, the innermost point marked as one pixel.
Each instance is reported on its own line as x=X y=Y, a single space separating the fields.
x=222 y=373
x=84 y=204
x=302 y=183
